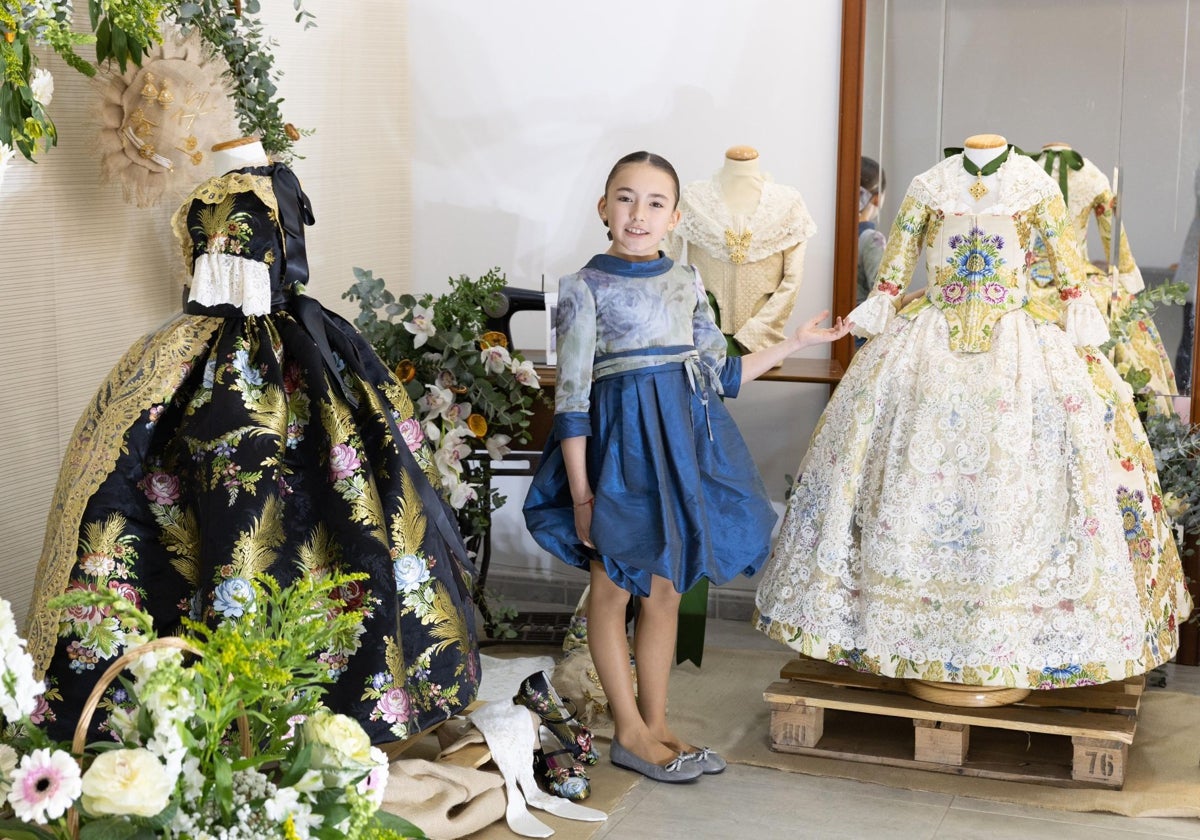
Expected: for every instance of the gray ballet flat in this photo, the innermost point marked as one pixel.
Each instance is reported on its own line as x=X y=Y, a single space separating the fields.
x=710 y=762
x=679 y=769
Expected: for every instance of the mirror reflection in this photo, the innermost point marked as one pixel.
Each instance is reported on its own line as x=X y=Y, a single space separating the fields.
x=1098 y=88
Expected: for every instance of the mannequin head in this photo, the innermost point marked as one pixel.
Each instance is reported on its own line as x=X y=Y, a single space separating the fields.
x=982 y=148
x=741 y=153
x=640 y=203
x=1056 y=147
x=871 y=186
x=236 y=154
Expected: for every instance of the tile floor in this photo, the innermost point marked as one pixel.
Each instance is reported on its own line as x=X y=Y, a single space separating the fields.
x=753 y=802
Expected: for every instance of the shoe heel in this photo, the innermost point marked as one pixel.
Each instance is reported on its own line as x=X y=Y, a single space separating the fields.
x=558 y=715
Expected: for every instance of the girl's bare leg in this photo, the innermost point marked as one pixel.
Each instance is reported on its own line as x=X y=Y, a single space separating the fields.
x=654 y=647
x=610 y=654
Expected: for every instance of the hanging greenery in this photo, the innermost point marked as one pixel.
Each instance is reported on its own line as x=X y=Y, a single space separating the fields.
x=234 y=32
x=122 y=31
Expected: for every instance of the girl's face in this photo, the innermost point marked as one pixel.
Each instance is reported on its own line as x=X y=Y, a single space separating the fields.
x=639 y=208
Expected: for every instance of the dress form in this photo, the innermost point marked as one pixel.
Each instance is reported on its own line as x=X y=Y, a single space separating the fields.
x=741 y=182
x=982 y=149
x=746 y=236
x=237 y=154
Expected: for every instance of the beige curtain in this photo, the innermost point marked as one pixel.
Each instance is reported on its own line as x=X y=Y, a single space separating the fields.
x=82 y=273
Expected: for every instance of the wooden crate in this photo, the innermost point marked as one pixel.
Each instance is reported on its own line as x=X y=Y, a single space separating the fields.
x=1072 y=737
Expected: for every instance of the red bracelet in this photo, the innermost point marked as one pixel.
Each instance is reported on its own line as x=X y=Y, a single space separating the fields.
x=591 y=501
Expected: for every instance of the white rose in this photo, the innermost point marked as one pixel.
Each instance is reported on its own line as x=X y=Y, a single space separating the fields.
x=42 y=86
x=122 y=782
x=8 y=763
x=340 y=747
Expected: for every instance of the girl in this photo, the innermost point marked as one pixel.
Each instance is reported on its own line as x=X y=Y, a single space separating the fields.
x=645 y=480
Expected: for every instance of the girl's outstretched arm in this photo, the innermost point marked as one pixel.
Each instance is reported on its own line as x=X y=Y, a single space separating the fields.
x=809 y=333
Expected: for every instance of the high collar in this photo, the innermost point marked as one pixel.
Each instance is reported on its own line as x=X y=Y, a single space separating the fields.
x=625 y=268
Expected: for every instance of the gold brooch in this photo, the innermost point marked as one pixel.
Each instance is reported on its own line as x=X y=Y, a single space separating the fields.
x=737 y=243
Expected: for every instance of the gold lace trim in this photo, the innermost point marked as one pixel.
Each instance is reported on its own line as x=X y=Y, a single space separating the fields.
x=150 y=373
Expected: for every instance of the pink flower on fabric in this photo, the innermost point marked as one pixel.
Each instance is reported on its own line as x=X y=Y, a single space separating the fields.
x=161 y=488
x=954 y=292
x=126 y=591
x=394 y=706
x=411 y=431
x=343 y=461
x=995 y=292
x=85 y=613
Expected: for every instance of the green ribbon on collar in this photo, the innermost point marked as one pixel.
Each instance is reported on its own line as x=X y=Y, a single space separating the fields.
x=1067 y=159
x=991 y=166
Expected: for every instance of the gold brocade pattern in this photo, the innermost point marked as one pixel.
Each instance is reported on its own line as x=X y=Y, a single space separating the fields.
x=149 y=373
x=215 y=191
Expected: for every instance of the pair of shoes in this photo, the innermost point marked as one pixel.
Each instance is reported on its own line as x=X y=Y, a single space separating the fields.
x=563 y=774
x=679 y=769
x=710 y=762
x=538 y=695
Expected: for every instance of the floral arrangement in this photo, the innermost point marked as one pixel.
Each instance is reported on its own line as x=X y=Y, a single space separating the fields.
x=1176 y=445
x=1141 y=307
x=471 y=392
x=174 y=767
x=122 y=31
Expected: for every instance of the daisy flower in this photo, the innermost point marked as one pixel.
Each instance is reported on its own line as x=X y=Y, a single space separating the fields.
x=44 y=786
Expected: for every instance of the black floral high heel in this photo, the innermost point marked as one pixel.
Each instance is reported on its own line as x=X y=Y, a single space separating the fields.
x=564 y=775
x=538 y=695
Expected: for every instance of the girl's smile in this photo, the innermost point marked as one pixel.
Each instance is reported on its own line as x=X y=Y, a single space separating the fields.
x=640 y=208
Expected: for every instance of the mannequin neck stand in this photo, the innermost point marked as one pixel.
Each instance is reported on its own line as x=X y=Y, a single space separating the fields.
x=238 y=154
x=741 y=184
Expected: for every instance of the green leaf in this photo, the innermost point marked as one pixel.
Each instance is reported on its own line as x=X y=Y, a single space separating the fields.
x=390 y=822
x=114 y=828
x=103 y=41
x=14 y=830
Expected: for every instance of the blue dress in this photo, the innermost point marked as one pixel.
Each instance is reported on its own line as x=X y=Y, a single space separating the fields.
x=641 y=369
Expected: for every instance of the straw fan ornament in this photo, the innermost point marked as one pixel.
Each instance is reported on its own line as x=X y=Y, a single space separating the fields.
x=158 y=121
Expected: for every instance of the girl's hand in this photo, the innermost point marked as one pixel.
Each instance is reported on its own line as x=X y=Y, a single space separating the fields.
x=809 y=333
x=583 y=521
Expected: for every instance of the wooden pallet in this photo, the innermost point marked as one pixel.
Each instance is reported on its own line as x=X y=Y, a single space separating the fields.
x=1071 y=737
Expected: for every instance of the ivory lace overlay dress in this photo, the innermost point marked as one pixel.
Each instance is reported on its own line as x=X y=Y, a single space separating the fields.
x=257 y=433
x=978 y=503
x=1090 y=198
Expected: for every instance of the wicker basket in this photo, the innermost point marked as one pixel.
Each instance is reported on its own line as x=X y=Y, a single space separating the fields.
x=93 y=701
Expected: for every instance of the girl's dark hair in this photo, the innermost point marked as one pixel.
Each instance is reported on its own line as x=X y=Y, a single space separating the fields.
x=657 y=161
x=874 y=179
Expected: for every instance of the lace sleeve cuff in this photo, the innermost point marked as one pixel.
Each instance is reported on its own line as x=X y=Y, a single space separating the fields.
x=225 y=279
x=872 y=316
x=1085 y=325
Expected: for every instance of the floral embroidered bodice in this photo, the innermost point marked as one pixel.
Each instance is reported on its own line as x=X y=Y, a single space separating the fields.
x=978 y=260
x=614 y=308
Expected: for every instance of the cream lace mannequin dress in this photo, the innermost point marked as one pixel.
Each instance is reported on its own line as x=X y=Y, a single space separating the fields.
x=1090 y=198
x=978 y=503
x=752 y=264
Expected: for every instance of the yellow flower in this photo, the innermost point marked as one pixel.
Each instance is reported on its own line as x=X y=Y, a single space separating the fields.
x=492 y=338
x=405 y=370
x=477 y=423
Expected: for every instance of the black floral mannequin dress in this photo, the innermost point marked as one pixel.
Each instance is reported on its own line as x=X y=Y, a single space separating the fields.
x=257 y=433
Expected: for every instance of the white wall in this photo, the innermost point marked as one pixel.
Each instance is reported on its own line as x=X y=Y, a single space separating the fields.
x=520 y=108
x=516 y=116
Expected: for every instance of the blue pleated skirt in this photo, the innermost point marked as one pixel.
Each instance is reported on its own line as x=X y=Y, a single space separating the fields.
x=671 y=500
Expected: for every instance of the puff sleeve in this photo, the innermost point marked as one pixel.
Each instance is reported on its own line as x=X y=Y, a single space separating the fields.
x=575 y=328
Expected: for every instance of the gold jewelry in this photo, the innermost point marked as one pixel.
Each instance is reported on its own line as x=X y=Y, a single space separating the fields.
x=737 y=243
